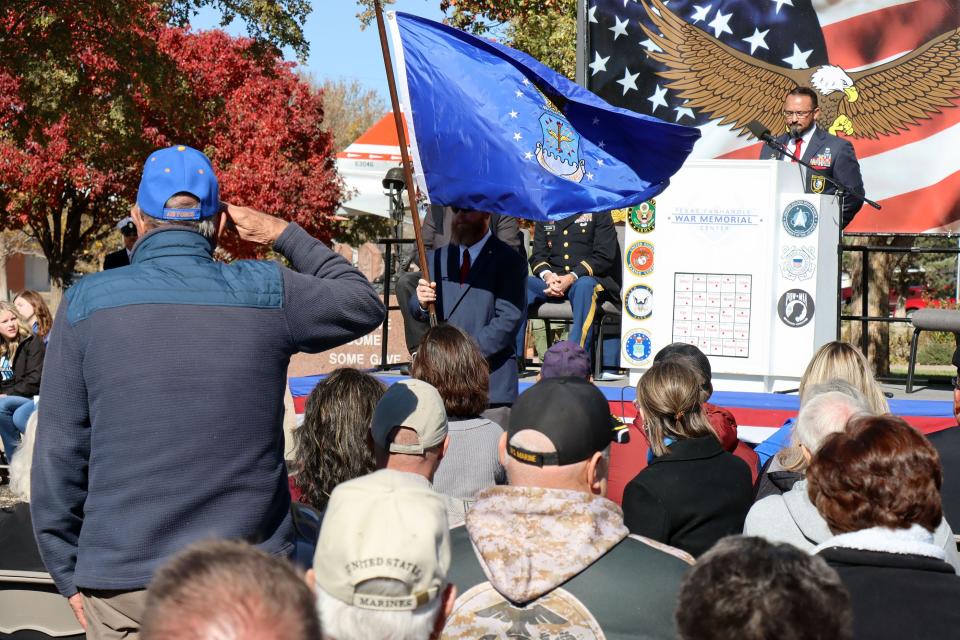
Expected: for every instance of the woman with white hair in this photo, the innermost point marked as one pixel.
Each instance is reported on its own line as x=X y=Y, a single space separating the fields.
x=792 y=517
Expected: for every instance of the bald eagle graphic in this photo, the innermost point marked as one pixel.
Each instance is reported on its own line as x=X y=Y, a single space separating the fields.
x=737 y=88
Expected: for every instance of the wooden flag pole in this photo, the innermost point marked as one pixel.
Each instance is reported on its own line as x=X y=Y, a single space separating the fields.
x=405 y=156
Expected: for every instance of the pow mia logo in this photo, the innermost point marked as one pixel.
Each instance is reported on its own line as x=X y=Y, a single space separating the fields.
x=800 y=218
x=640 y=258
x=639 y=302
x=643 y=217
x=795 y=308
x=798 y=263
x=638 y=347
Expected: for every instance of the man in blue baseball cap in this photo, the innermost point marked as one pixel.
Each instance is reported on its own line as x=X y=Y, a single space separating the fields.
x=182 y=439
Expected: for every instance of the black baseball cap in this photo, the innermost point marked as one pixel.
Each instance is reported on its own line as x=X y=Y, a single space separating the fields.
x=571 y=412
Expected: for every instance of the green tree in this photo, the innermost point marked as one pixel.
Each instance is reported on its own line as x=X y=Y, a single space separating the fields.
x=546 y=29
x=349 y=109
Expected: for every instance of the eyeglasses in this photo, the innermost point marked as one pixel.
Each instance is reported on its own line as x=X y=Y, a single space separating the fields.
x=797 y=114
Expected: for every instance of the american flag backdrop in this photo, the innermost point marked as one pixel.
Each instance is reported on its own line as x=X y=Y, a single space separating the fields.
x=913 y=170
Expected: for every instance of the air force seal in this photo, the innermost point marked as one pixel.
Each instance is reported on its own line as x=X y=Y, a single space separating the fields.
x=798 y=263
x=640 y=258
x=637 y=347
x=800 y=218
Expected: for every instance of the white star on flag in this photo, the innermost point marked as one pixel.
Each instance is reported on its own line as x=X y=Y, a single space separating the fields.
x=589 y=176
x=757 y=40
x=513 y=114
x=592 y=15
x=600 y=162
x=528 y=156
x=700 y=13
x=519 y=93
x=628 y=81
x=683 y=112
x=780 y=3
x=799 y=58
x=650 y=45
x=602 y=144
x=517 y=136
x=598 y=64
x=619 y=29
x=719 y=24
x=658 y=99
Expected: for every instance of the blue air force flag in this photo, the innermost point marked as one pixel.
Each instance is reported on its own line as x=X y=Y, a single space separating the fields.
x=493 y=129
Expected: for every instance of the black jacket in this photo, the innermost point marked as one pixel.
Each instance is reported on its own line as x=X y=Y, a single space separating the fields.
x=898 y=596
x=947 y=443
x=116 y=259
x=27 y=367
x=690 y=497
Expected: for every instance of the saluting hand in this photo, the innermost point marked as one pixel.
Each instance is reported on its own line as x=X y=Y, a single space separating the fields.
x=253 y=225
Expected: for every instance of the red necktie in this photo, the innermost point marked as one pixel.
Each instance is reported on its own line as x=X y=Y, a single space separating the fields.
x=465 y=267
x=796 y=149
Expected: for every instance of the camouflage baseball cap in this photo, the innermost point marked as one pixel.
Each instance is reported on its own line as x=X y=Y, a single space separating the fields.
x=387 y=524
x=571 y=412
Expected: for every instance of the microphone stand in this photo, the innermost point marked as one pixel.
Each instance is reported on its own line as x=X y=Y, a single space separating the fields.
x=840 y=191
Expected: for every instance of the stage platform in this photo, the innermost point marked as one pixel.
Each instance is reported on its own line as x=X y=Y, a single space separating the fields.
x=929 y=409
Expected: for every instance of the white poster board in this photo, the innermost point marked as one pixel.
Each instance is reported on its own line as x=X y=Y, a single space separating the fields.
x=734 y=258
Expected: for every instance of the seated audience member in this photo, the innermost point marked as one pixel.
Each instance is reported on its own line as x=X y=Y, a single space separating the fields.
x=21 y=365
x=833 y=361
x=18 y=547
x=722 y=421
x=450 y=360
x=792 y=517
x=331 y=447
x=382 y=560
x=947 y=444
x=331 y=444
x=549 y=555
x=784 y=469
x=222 y=589
x=692 y=492
x=877 y=484
x=409 y=429
x=565 y=359
x=749 y=589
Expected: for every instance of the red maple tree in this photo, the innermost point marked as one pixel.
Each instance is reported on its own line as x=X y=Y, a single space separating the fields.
x=85 y=96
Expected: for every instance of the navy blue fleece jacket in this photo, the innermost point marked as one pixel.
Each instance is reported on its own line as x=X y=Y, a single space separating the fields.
x=161 y=418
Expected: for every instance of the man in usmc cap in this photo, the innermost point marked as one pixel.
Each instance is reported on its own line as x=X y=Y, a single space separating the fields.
x=380 y=568
x=549 y=554
x=183 y=441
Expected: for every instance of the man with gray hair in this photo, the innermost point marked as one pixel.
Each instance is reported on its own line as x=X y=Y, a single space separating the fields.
x=549 y=555
x=221 y=589
x=792 y=517
x=380 y=568
x=184 y=440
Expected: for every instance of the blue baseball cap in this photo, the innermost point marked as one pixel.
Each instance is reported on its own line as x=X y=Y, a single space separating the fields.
x=178 y=169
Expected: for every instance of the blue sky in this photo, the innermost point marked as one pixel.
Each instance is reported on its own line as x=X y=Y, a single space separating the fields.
x=338 y=49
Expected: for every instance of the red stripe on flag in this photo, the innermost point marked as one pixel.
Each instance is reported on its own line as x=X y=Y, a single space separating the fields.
x=878 y=35
x=938 y=122
x=300 y=403
x=930 y=207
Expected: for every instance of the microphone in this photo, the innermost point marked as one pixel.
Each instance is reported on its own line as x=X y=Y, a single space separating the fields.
x=760 y=132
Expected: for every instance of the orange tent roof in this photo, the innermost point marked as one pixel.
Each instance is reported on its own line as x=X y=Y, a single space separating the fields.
x=384 y=132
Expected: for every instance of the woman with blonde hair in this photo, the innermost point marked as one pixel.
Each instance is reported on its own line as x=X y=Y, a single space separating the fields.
x=21 y=364
x=693 y=492
x=833 y=361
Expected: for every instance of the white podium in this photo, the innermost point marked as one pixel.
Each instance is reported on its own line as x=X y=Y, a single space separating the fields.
x=734 y=258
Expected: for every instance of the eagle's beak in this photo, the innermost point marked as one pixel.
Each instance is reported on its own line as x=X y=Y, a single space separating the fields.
x=852 y=94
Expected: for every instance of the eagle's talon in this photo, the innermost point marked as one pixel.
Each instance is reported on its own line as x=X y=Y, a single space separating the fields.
x=842 y=123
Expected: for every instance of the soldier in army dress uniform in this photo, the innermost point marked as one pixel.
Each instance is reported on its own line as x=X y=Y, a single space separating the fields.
x=576 y=259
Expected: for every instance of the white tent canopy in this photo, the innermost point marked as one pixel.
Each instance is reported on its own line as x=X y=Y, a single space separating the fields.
x=363 y=166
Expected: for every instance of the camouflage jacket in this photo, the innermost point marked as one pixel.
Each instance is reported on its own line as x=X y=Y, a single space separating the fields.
x=557 y=564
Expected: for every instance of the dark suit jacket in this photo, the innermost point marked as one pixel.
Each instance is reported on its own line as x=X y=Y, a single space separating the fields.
x=947 y=443
x=488 y=306
x=116 y=259
x=690 y=497
x=584 y=244
x=838 y=161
